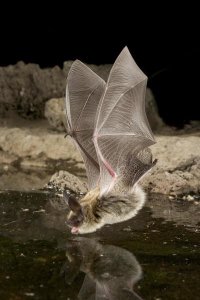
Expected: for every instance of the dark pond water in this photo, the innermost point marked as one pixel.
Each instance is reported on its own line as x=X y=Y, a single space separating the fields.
x=156 y=255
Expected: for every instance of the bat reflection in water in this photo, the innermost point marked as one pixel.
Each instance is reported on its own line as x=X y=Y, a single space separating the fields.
x=108 y=124
x=111 y=272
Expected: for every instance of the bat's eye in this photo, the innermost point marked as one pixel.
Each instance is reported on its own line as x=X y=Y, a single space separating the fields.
x=75 y=220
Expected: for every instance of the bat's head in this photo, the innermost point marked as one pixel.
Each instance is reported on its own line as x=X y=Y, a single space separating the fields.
x=81 y=217
x=75 y=218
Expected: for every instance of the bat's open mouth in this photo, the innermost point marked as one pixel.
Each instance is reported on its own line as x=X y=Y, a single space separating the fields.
x=75 y=230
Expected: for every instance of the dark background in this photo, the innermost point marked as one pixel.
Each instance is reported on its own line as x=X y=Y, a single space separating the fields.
x=162 y=39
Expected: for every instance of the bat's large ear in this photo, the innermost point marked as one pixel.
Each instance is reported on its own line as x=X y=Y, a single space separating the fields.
x=73 y=203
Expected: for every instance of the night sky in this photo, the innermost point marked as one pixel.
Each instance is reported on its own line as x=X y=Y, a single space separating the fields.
x=164 y=42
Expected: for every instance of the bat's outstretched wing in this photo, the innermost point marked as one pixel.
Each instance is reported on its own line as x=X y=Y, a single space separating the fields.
x=122 y=132
x=83 y=93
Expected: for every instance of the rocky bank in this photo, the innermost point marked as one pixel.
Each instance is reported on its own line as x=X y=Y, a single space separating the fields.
x=28 y=141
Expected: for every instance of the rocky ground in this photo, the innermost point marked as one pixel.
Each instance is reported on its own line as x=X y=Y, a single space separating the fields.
x=29 y=143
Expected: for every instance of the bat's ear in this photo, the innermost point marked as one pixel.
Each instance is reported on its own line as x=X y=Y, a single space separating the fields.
x=73 y=203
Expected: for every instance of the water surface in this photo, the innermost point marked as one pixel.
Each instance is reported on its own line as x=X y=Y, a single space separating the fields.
x=156 y=255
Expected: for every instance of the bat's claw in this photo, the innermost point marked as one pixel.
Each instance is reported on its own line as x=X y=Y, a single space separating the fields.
x=155 y=162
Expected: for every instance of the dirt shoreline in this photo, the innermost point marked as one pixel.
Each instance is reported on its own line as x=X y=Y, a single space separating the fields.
x=33 y=144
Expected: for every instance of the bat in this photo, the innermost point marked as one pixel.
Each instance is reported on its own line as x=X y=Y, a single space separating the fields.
x=110 y=272
x=108 y=123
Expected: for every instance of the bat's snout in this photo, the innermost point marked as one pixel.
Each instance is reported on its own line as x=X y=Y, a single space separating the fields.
x=74 y=230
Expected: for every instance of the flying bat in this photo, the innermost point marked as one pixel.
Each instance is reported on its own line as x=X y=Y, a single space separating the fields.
x=108 y=123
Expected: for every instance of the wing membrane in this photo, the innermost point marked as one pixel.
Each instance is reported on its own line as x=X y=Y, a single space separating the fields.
x=109 y=124
x=122 y=129
x=83 y=93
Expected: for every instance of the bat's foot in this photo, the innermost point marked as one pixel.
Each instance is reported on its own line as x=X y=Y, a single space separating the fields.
x=155 y=162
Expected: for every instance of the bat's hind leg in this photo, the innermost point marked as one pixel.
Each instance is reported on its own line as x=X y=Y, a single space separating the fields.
x=110 y=169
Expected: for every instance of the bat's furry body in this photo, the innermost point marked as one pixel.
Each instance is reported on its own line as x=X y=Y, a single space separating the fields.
x=108 y=123
x=109 y=209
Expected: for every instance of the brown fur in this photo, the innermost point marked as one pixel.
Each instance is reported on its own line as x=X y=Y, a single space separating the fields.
x=90 y=204
x=108 y=209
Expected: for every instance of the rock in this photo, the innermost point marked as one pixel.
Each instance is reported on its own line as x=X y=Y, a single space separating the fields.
x=37 y=142
x=175 y=174
x=55 y=113
x=173 y=151
x=176 y=183
x=7 y=158
x=155 y=120
x=64 y=180
x=193 y=125
x=38 y=147
x=33 y=144
x=24 y=88
x=191 y=165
